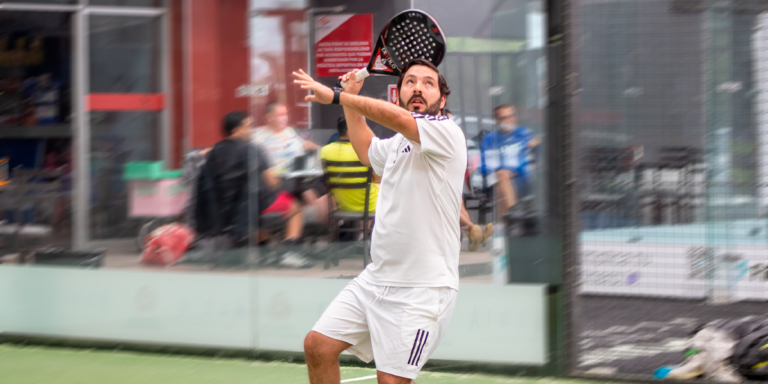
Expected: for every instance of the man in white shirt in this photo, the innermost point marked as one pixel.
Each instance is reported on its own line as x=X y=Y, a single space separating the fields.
x=398 y=309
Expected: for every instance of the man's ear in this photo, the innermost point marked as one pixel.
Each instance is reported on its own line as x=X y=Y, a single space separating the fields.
x=443 y=99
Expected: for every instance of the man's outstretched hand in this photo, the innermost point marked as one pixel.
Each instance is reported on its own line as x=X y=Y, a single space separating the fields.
x=322 y=94
x=352 y=87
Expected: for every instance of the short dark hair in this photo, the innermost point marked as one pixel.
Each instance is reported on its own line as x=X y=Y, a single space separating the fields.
x=444 y=90
x=341 y=126
x=502 y=106
x=271 y=107
x=233 y=120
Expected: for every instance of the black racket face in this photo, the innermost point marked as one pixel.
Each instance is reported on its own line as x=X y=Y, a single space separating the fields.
x=409 y=35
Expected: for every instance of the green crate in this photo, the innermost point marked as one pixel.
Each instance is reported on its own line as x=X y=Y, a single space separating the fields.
x=173 y=174
x=143 y=170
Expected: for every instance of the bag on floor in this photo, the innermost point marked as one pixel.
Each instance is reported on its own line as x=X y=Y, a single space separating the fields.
x=166 y=245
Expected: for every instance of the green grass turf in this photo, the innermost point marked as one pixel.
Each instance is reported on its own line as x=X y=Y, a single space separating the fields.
x=44 y=365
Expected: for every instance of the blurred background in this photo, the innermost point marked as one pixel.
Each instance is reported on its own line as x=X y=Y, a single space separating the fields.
x=633 y=135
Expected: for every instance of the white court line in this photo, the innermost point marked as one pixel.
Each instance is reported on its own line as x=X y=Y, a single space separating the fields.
x=359 y=379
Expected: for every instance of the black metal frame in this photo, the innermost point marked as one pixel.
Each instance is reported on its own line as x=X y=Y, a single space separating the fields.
x=561 y=182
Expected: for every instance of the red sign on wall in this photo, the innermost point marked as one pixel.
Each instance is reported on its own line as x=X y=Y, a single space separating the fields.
x=392 y=93
x=342 y=43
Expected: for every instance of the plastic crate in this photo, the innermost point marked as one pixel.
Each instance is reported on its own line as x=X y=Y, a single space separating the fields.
x=173 y=174
x=157 y=198
x=143 y=170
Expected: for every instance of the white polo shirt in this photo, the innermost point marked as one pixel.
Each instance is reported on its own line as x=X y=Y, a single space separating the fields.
x=416 y=238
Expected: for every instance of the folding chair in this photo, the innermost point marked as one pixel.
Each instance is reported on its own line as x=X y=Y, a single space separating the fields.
x=339 y=175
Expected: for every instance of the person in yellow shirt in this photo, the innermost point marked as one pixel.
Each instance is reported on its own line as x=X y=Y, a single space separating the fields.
x=341 y=150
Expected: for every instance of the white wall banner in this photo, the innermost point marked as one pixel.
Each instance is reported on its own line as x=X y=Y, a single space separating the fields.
x=669 y=270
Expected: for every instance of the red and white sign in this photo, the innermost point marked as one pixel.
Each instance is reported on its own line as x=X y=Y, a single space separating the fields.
x=342 y=43
x=392 y=93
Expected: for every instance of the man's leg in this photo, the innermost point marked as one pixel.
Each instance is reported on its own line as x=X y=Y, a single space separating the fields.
x=295 y=223
x=506 y=197
x=318 y=203
x=386 y=378
x=322 y=353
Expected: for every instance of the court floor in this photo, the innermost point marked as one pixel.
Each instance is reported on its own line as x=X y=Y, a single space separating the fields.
x=38 y=365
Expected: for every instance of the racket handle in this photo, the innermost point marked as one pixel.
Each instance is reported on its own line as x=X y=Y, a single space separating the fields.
x=360 y=76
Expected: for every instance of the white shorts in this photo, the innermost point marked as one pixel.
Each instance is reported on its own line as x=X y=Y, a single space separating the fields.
x=399 y=327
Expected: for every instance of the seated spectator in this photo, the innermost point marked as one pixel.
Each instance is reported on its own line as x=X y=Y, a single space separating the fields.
x=334 y=138
x=348 y=199
x=280 y=142
x=504 y=158
x=282 y=145
x=233 y=171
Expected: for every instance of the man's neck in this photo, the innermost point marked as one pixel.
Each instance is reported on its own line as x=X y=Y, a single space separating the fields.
x=344 y=138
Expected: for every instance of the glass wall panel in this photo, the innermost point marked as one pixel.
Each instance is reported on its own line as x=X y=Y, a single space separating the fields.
x=495 y=66
x=118 y=138
x=670 y=158
x=35 y=131
x=124 y=54
x=124 y=60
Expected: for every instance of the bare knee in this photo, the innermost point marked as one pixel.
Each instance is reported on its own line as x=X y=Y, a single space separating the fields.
x=318 y=346
x=503 y=174
x=386 y=378
x=313 y=344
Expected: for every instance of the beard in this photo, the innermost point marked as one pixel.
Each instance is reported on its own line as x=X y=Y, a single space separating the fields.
x=425 y=108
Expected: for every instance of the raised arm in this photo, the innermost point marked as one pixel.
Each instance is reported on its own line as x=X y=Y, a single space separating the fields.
x=357 y=108
x=382 y=112
x=360 y=134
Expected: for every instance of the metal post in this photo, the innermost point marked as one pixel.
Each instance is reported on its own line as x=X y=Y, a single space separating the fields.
x=166 y=138
x=81 y=131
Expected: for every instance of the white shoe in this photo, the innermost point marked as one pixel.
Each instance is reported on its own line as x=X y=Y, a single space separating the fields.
x=723 y=372
x=295 y=260
x=691 y=368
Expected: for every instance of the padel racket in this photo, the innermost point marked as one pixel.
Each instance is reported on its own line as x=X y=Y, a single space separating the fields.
x=409 y=35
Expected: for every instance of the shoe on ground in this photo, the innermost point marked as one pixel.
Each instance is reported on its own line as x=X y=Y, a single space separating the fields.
x=475 y=238
x=295 y=260
x=691 y=368
x=723 y=372
x=269 y=259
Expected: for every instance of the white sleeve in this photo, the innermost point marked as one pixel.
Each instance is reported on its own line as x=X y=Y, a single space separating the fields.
x=378 y=152
x=440 y=137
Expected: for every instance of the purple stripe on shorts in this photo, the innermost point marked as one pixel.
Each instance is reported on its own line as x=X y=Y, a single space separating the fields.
x=414 y=345
x=420 y=350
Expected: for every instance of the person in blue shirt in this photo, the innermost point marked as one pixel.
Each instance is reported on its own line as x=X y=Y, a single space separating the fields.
x=505 y=155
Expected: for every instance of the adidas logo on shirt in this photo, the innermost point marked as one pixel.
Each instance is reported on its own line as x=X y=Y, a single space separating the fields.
x=406 y=149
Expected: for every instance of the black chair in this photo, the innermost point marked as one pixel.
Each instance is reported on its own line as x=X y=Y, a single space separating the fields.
x=41 y=191
x=341 y=177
